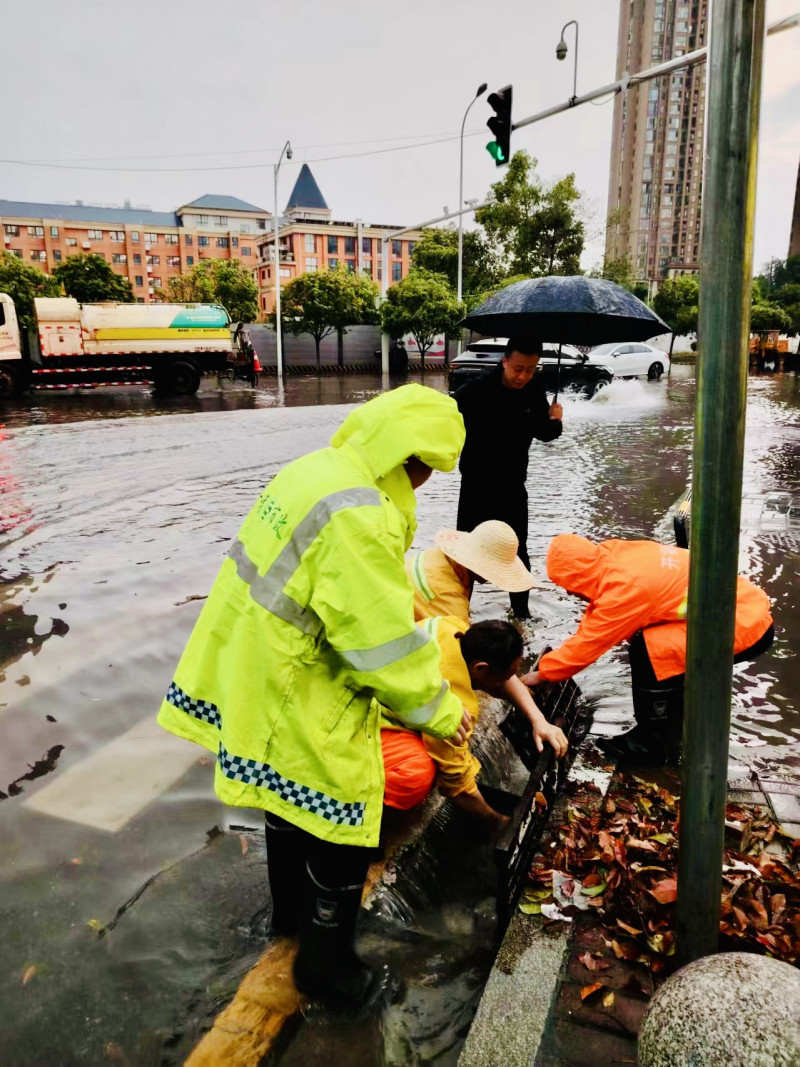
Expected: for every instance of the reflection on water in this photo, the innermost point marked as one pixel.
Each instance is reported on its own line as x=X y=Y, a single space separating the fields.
x=112 y=525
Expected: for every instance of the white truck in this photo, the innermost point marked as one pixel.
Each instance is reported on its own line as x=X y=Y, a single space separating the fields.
x=168 y=345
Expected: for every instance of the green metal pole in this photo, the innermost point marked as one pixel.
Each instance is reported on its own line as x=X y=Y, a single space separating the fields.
x=734 y=88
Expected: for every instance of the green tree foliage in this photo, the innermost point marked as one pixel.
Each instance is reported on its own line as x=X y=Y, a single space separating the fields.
x=218 y=281
x=779 y=283
x=23 y=284
x=437 y=252
x=677 y=302
x=422 y=304
x=767 y=316
x=534 y=226
x=322 y=302
x=89 y=279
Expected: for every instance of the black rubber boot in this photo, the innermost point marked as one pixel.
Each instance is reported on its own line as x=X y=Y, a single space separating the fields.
x=287 y=853
x=327 y=967
x=656 y=738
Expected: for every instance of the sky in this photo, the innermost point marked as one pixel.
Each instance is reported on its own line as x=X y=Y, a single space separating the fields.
x=146 y=96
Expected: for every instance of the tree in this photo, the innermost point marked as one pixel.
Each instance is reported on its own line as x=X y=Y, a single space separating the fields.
x=89 y=279
x=677 y=302
x=218 y=281
x=23 y=284
x=768 y=316
x=422 y=304
x=437 y=251
x=534 y=226
x=322 y=302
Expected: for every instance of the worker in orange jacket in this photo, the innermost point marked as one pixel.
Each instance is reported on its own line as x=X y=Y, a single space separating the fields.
x=638 y=591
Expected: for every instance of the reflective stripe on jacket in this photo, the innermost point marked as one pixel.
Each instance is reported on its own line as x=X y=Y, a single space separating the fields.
x=630 y=586
x=310 y=618
x=441 y=586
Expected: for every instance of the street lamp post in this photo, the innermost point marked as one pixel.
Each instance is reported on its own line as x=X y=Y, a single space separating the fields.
x=481 y=90
x=287 y=151
x=561 y=53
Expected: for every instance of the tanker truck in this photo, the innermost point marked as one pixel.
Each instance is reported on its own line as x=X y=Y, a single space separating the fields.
x=71 y=345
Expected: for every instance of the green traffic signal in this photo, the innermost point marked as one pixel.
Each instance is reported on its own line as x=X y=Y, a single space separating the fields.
x=500 y=124
x=496 y=152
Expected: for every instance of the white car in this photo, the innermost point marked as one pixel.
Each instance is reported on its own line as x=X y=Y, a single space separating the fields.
x=632 y=360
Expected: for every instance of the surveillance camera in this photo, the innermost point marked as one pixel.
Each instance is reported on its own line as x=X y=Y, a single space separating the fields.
x=289 y=152
x=561 y=49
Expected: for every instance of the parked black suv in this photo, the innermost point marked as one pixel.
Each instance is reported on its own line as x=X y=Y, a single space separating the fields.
x=579 y=373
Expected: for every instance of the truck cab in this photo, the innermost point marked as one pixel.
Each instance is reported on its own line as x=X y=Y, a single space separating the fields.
x=10 y=346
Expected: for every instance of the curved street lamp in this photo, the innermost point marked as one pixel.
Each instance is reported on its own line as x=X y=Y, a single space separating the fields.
x=561 y=53
x=481 y=90
x=287 y=151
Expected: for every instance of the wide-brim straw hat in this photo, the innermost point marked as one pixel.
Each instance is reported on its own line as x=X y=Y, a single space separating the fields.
x=490 y=551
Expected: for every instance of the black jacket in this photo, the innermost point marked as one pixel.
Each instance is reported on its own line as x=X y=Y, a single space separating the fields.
x=501 y=423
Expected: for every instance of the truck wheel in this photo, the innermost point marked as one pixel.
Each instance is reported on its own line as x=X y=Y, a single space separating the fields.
x=181 y=379
x=8 y=384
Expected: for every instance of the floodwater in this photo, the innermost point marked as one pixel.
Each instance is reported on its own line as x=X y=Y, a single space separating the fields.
x=126 y=920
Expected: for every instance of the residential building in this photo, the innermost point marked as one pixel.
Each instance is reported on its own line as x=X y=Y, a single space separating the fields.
x=147 y=247
x=309 y=239
x=656 y=175
x=794 y=237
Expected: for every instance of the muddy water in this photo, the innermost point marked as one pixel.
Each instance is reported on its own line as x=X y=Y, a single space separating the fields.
x=115 y=512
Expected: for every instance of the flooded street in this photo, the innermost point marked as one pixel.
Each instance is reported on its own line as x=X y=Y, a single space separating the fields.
x=116 y=510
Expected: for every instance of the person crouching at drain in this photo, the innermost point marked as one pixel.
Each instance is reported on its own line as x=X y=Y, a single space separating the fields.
x=482 y=657
x=308 y=624
x=637 y=591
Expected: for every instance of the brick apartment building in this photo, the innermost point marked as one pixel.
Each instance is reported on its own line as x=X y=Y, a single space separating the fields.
x=310 y=240
x=147 y=247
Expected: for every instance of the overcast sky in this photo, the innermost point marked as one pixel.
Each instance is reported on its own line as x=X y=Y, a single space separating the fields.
x=146 y=84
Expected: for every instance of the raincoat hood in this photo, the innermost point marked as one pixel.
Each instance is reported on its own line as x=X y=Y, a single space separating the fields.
x=413 y=420
x=575 y=564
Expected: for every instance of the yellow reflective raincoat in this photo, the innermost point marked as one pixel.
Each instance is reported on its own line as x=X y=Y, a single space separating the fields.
x=441 y=586
x=311 y=617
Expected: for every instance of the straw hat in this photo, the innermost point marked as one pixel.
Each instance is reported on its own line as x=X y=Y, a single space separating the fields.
x=490 y=551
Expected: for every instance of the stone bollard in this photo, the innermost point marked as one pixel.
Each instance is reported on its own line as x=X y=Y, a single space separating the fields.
x=734 y=1009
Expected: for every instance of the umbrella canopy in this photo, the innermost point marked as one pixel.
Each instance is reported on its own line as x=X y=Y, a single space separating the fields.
x=566 y=310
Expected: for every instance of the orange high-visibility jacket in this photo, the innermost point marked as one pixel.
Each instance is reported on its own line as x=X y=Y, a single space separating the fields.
x=441 y=586
x=630 y=586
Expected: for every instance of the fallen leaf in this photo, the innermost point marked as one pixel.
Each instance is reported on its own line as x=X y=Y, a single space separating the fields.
x=95 y=924
x=244 y=844
x=540 y=800
x=76 y=861
x=666 y=891
x=629 y=929
x=530 y=907
x=608 y=1000
x=589 y=990
x=662 y=839
x=28 y=973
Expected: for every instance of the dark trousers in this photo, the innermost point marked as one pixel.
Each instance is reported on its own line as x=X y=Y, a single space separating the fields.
x=334 y=866
x=479 y=502
x=658 y=705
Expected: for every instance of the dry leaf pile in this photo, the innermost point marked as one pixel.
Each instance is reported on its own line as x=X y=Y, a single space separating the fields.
x=620 y=861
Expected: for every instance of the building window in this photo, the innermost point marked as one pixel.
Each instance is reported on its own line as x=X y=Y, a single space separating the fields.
x=173 y=261
x=39 y=257
x=411 y=248
x=285 y=272
x=137 y=258
x=235 y=242
x=220 y=220
x=310 y=243
x=151 y=238
x=366 y=268
x=202 y=241
x=190 y=261
x=245 y=227
x=153 y=261
x=116 y=235
x=71 y=241
x=366 y=245
x=16 y=252
x=135 y=236
x=263 y=275
x=11 y=230
x=397 y=248
x=54 y=231
x=138 y=279
x=333 y=264
x=397 y=272
x=349 y=246
x=119 y=257
x=170 y=238
x=139 y=299
x=36 y=231
x=56 y=256
x=157 y=283
x=333 y=246
x=222 y=242
x=246 y=251
x=95 y=235
x=350 y=265
x=187 y=239
x=311 y=263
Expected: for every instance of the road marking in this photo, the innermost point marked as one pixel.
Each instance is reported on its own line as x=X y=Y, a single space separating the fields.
x=112 y=785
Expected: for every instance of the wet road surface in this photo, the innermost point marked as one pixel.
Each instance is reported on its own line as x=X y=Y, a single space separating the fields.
x=116 y=510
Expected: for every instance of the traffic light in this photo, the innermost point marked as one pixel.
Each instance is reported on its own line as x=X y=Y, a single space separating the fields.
x=500 y=125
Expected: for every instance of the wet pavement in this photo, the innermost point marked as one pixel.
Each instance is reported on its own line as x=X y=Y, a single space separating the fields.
x=125 y=925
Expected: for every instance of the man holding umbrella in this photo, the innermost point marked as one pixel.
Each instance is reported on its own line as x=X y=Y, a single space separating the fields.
x=504 y=410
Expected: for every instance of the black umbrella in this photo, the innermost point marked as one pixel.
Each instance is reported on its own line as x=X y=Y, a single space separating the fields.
x=566 y=310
